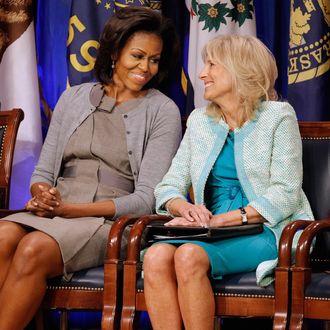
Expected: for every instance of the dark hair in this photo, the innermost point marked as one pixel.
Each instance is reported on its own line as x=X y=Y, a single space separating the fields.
x=121 y=26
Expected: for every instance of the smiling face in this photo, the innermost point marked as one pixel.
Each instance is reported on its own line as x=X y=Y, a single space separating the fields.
x=217 y=81
x=138 y=62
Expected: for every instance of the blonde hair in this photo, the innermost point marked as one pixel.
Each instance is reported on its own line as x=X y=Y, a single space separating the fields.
x=252 y=68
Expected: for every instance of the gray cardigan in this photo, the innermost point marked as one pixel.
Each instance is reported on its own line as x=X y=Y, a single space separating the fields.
x=155 y=134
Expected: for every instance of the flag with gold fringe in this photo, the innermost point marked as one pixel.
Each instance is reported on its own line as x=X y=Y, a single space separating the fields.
x=309 y=59
x=19 y=89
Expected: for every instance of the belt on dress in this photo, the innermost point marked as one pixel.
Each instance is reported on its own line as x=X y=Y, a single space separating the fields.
x=105 y=177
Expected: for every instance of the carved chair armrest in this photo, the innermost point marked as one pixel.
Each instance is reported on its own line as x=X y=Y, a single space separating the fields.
x=305 y=242
x=5 y=212
x=302 y=272
x=282 y=272
x=285 y=244
x=115 y=236
x=112 y=296
x=134 y=239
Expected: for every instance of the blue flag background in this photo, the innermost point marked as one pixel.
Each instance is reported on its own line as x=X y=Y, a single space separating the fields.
x=84 y=31
x=180 y=88
x=51 y=37
x=79 y=22
x=272 y=19
x=309 y=59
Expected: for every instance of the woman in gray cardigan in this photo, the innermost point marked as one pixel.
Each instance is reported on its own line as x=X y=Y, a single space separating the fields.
x=108 y=145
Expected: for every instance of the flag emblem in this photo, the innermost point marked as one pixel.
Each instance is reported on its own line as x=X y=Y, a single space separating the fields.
x=208 y=19
x=309 y=55
x=214 y=15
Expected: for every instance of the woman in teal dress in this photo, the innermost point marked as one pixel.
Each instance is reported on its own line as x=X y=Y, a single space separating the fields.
x=224 y=193
x=242 y=156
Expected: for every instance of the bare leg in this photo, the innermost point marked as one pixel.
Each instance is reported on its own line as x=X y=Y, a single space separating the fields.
x=195 y=293
x=37 y=258
x=160 y=287
x=10 y=235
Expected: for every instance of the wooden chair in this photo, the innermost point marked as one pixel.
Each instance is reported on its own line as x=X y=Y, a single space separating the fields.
x=235 y=295
x=9 y=124
x=310 y=274
x=93 y=289
x=90 y=289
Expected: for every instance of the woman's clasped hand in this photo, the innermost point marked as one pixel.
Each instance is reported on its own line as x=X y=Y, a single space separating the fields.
x=46 y=203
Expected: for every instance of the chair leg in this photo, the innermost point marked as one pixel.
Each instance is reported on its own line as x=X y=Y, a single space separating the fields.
x=64 y=320
x=112 y=296
x=39 y=320
x=299 y=278
x=129 y=313
x=280 y=322
x=282 y=296
x=129 y=319
x=217 y=323
x=297 y=322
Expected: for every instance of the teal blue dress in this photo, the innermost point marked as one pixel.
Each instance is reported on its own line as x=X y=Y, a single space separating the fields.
x=224 y=193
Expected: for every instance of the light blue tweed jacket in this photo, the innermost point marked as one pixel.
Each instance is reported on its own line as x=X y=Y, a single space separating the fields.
x=268 y=157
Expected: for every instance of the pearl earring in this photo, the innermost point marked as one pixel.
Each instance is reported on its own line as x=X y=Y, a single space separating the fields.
x=113 y=64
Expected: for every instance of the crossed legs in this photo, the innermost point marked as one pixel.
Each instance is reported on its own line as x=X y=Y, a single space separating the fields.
x=177 y=288
x=27 y=259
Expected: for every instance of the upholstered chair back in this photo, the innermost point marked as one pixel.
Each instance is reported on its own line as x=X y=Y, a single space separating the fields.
x=316 y=181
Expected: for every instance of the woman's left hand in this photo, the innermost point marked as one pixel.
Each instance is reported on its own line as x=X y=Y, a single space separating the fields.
x=181 y=221
x=34 y=207
x=46 y=204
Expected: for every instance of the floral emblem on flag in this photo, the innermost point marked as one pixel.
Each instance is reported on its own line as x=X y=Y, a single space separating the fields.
x=215 y=15
x=242 y=10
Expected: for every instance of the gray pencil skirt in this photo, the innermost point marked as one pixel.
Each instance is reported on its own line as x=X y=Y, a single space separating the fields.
x=82 y=241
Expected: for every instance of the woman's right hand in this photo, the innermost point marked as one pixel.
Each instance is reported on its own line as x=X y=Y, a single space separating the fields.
x=181 y=221
x=196 y=213
x=191 y=212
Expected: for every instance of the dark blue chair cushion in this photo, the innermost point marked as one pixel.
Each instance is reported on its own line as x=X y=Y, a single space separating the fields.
x=241 y=284
x=87 y=278
x=235 y=284
x=319 y=286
